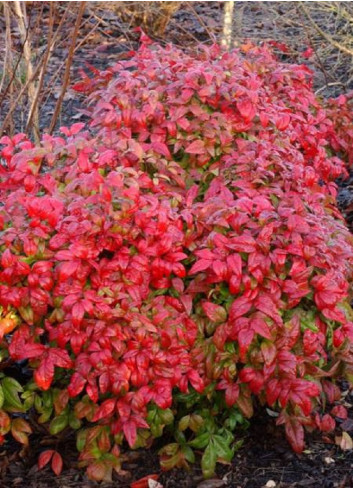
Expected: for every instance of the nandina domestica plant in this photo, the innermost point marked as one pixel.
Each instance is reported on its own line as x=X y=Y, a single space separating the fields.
x=178 y=263
x=340 y=112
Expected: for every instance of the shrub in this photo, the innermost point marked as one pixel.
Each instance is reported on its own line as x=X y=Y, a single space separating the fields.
x=340 y=111
x=152 y=17
x=178 y=263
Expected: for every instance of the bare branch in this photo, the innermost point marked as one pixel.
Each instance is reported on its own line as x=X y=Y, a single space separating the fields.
x=66 y=80
x=324 y=34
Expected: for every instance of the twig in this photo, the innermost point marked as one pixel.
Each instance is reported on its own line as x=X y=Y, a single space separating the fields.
x=68 y=67
x=333 y=84
x=199 y=18
x=8 y=45
x=34 y=105
x=22 y=91
x=312 y=44
x=13 y=75
x=324 y=34
x=57 y=72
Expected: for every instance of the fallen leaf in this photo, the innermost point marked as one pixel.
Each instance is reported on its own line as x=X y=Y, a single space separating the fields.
x=146 y=481
x=270 y=483
x=153 y=483
x=345 y=442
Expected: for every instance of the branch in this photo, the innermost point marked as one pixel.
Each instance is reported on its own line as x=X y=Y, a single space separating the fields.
x=66 y=80
x=324 y=34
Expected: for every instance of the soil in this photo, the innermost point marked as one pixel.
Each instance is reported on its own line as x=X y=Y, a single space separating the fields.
x=265 y=458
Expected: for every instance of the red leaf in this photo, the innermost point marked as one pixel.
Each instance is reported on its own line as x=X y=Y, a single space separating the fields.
x=246 y=109
x=339 y=412
x=245 y=337
x=5 y=423
x=214 y=312
x=261 y=328
x=200 y=266
x=143 y=482
x=295 y=434
x=105 y=409
x=265 y=304
x=44 y=374
x=268 y=350
x=20 y=429
x=44 y=458
x=97 y=470
x=59 y=357
x=239 y=307
x=196 y=381
x=130 y=432
x=196 y=147
x=76 y=385
x=234 y=262
x=245 y=244
x=327 y=423
x=282 y=122
x=273 y=389
x=161 y=148
x=57 y=463
x=232 y=394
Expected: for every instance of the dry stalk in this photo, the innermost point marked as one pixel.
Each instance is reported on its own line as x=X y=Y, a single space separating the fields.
x=23 y=26
x=66 y=79
x=324 y=34
x=199 y=18
x=33 y=110
x=227 y=24
x=9 y=86
x=14 y=104
x=62 y=65
x=8 y=59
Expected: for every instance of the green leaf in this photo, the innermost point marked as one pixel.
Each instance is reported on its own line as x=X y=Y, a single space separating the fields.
x=45 y=416
x=74 y=422
x=2 y=397
x=38 y=403
x=208 y=461
x=196 y=421
x=188 y=454
x=222 y=448
x=28 y=402
x=184 y=423
x=179 y=437
x=238 y=444
x=11 y=388
x=156 y=430
x=200 y=441
x=166 y=415
x=47 y=399
x=58 y=424
x=81 y=440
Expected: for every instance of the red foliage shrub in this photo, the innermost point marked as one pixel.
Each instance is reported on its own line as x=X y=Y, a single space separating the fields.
x=340 y=111
x=179 y=262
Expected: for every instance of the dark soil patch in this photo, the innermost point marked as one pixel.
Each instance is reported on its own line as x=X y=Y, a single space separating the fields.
x=265 y=456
